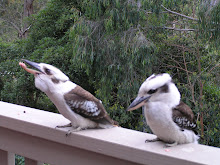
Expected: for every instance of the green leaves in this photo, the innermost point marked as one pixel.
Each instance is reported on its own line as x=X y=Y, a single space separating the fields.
x=209 y=17
x=110 y=47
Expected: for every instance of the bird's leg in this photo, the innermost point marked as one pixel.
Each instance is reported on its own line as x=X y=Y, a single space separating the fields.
x=64 y=126
x=152 y=140
x=73 y=130
x=170 y=144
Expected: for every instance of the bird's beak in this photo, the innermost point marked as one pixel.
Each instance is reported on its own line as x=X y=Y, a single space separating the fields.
x=138 y=102
x=33 y=64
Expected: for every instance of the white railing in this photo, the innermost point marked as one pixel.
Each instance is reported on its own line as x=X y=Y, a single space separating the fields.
x=31 y=133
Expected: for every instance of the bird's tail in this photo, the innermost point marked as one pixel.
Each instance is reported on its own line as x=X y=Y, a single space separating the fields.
x=107 y=121
x=112 y=122
x=115 y=123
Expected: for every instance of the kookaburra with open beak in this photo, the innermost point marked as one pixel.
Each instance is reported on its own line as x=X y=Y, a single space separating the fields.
x=72 y=101
x=171 y=120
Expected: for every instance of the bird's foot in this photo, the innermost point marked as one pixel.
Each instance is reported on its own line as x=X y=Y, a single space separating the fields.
x=152 y=140
x=73 y=130
x=170 y=144
x=64 y=126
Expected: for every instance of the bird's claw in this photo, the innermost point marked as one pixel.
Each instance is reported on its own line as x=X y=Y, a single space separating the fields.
x=152 y=140
x=76 y=129
x=64 y=126
x=170 y=144
x=73 y=130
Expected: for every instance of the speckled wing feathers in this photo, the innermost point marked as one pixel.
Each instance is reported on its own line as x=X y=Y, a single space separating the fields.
x=85 y=104
x=183 y=117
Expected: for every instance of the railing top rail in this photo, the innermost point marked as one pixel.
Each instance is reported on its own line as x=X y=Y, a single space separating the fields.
x=117 y=142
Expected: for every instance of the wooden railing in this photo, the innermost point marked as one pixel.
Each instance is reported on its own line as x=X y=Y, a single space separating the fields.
x=31 y=133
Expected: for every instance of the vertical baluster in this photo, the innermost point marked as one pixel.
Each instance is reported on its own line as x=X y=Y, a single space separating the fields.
x=7 y=158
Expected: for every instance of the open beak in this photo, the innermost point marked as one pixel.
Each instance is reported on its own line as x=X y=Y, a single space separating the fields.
x=33 y=64
x=138 y=102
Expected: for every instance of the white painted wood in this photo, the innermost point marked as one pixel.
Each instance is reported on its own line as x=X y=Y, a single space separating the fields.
x=32 y=162
x=7 y=158
x=31 y=133
x=11 y=158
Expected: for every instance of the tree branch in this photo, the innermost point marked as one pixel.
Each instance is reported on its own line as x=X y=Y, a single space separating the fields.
x=214 y=67
x=13 y=24
x=172 y=66
x=179 y=46
x=170 y=28
x=182 y=15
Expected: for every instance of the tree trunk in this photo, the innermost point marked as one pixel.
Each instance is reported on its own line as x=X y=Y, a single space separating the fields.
x=28 y=10
x=200 y=83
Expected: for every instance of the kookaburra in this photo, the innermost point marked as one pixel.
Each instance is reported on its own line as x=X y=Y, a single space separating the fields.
x=171 y=120
x=72 y=101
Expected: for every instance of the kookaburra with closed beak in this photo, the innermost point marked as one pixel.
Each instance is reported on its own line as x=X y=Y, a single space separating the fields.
x=171 y=120
x=72 y=101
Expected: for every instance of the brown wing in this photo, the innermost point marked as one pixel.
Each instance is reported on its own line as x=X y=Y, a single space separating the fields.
x=85 y=104
x=183 y=117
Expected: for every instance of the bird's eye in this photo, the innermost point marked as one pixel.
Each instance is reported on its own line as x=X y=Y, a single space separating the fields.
x=151 y=91
x=47 y=71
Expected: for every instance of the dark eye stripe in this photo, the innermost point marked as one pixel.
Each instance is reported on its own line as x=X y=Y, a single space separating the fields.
x=55 y=81
x=152 y=91
x=165 y=88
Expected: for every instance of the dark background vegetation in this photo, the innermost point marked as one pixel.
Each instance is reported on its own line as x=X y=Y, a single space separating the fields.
x=110 y=47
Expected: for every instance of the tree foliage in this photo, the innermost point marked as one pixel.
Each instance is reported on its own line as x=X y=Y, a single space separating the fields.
x=110 y=47
x=14 y=22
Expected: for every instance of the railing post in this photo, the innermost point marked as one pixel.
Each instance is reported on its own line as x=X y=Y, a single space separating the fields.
x=32 y=162
x=7 y=158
